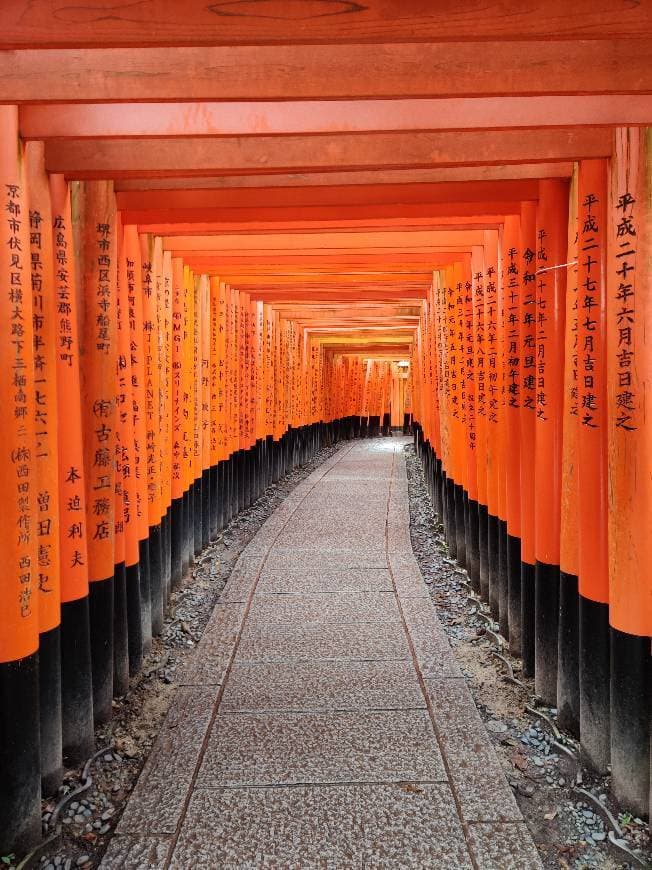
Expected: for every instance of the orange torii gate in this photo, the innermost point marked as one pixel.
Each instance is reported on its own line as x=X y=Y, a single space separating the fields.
x=223 y=237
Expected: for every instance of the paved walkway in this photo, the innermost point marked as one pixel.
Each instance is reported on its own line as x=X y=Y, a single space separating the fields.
x=323 y=721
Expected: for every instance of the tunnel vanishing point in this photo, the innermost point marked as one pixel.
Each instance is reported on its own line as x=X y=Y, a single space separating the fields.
x=234 y=232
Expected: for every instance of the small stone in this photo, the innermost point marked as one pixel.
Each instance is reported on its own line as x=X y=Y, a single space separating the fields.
x=562 y=781
x=496 y=727
x=603 y=798
x=49 y=866
x=599 y=836
x=538 y=761
x=78 y=818
x=105 y=829
x=83 y=859
x=107 y=814
x=68 y=864
x=74 y=805
x=67 y=820
x=107 y=757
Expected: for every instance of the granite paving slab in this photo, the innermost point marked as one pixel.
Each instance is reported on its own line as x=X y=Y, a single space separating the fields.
x=322 y=685
x=274 y=582
x=134 y=852
x=157 y=801
x=506 y=846
x=483 y=791
x=380 y=641
x=350 y=826
x=310 y=559
x=247 y=749
x=337 y=607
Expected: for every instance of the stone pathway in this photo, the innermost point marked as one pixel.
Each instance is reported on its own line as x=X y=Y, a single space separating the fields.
x=323 y=721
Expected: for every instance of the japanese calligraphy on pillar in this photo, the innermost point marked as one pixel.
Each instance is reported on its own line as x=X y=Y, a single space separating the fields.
x=72 y=497
x=17 y=427
x=628 y=403
x=590 y=241
x=45 y=390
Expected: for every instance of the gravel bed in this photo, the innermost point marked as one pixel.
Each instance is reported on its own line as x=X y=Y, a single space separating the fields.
x=565 y=827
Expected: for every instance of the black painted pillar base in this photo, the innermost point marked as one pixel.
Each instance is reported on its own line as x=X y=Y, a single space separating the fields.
x=441 y=492
x=514 y=593
x=166 y=541
x=20 y=770
x=120 y=631
x=594 y=683
x=568 y=661
x=631 y=696
x=483 y=550
x=49 y=657
x=213 y=505
x=176 y=542
x=145 y=594
x=156 y=580
x=100 y=601
x=220 y=493
x=451 y=534
x=528 y=615
x=185 y=519
x=473 y=546
x=492 y=550
x=546 y=611
x=503 y=608
x=205 y=507
x=76 y=681
x=134 y=618
x=197 y=509
x=460 y=542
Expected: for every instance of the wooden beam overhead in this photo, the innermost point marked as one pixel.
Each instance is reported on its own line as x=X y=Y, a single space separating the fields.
x=123 y=120
x=160 y=22
x=443 y=222
x=320 y=214
x=275 y=197
x=352 y=242
x=436 y=175
x=335 y=71
x=116 y=158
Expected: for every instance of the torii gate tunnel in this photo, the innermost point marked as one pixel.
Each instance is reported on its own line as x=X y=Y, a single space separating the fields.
x=234 y=232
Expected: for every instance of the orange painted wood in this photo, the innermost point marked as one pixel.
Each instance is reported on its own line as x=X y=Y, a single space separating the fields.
x=528 y=366
x=321 y=240
x=18 y=547
x=568 y=552
x=351 y=178
x=363 y=194
x=55 y=22
x=592 y=419
x=444 y=69
x=114 y=158
x=72 y=504
x=441 y=222
x=552 y=227
x=99 y=239
x=629 y=366
x=117 y=120
x=512 y=372
x=46 y=446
